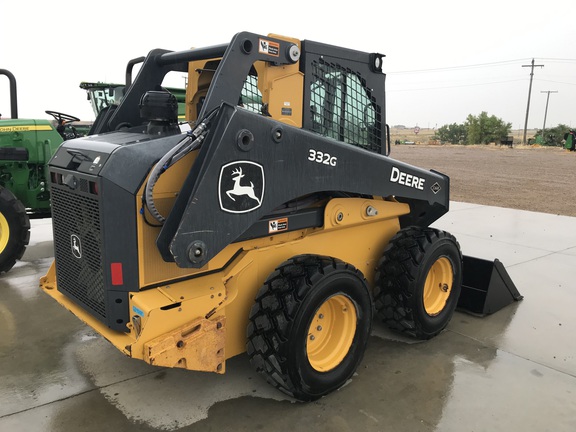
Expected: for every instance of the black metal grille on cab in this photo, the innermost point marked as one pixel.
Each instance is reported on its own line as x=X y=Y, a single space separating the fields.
x=77 y=215
x=343 y=107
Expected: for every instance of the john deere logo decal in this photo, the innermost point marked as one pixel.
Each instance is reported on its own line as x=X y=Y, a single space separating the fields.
x=76 y=246
x=241 y=186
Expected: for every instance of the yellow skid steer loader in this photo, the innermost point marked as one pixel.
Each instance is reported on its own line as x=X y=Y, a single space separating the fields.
x=272 y=222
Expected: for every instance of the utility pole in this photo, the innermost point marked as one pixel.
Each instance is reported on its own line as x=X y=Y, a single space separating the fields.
x=546 y=111
x=531 y=66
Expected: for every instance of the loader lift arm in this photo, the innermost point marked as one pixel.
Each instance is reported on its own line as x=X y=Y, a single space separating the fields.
x=190 y=236
x=237 y=58
x=193 y=233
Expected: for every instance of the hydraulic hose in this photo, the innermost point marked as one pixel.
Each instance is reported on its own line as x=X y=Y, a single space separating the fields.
x=190 y=142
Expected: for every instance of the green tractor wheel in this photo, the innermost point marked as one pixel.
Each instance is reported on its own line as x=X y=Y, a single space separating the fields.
x=14 y=230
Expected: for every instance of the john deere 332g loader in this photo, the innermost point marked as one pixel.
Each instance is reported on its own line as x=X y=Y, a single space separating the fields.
x=273 y=222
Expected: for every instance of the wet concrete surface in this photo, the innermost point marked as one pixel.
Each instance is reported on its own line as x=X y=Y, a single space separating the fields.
x=514 y=370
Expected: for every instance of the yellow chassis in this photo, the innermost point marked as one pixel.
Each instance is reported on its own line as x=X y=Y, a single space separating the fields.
x=199 y=322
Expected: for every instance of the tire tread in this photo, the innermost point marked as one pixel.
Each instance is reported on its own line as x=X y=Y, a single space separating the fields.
x=397 y=271
x=16 y=245
x=273 y=314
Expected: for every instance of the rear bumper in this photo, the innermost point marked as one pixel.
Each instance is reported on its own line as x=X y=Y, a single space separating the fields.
x=163 y=331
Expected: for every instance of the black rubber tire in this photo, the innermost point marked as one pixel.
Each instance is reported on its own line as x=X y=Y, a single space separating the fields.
x=401 y=275
x=280 y=318
x=19 y=230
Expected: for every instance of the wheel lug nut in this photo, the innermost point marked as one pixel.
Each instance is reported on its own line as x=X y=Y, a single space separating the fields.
x=321 y=316
x=319 y=328
x=312 y=337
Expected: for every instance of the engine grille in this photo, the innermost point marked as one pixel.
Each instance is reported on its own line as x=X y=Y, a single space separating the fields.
x=77 y=215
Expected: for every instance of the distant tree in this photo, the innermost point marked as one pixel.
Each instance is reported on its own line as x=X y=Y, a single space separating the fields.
x=484 y=129
x=553 y=136
x=453 y=134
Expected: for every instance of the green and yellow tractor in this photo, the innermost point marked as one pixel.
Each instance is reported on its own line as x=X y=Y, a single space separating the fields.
x=26 y=146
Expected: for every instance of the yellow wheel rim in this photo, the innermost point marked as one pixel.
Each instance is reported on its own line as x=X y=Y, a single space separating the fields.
x=438 y=286
x=331 y=333
x=4 y=232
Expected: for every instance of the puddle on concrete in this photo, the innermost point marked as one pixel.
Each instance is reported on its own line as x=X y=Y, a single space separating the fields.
x=166 y=399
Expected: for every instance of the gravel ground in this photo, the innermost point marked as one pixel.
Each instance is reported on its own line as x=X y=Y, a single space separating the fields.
x=540 y=179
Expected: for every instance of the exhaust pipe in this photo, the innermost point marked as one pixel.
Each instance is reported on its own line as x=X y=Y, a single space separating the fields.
x=13 y=99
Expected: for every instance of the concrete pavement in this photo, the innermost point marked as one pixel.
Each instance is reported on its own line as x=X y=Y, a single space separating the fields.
x=514 y=370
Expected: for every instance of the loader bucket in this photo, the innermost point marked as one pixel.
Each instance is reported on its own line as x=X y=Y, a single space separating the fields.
x=486 y=287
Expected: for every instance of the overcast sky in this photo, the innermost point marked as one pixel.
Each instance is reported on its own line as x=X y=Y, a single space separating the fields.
x=445 y=59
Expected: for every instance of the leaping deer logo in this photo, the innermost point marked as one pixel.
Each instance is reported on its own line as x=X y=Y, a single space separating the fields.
x=239 y=190
x=76 y=246
x=241 y=186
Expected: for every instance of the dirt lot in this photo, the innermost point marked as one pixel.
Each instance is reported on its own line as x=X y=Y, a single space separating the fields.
x=541 y=179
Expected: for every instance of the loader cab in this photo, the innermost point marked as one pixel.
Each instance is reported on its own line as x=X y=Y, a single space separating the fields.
x=341 y=98
x=200 y=78
x=335 y=92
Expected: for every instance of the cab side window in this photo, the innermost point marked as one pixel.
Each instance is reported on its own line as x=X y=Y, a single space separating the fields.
x=341 y=107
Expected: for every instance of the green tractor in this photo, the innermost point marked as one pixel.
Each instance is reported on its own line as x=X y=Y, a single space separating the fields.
x=104 y=95
x=26 y=146
x=107 y=96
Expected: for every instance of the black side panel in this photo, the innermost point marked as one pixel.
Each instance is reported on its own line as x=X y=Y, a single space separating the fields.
x=238 y=180
x=120 y=257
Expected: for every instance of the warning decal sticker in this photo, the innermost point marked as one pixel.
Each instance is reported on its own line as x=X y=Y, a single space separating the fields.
x=277 y=225
x=269 y=47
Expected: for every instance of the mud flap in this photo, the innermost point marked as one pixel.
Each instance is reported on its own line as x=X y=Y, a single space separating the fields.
x=486 y=287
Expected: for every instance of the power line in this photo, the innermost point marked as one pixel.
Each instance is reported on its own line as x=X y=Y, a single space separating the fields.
x=532 y=66
x=500 y=63
x=479 y=65
x=557 y=82
x=455 y=86
x=557 y=59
